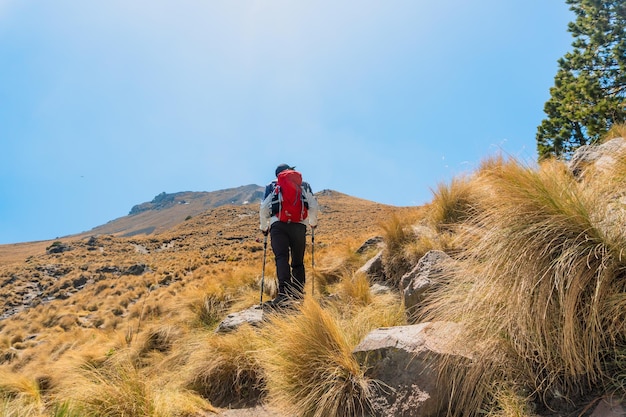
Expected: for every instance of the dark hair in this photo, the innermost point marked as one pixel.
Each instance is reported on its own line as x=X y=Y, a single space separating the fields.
x=282 y=167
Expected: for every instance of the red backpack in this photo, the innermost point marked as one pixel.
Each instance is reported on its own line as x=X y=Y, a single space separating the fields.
x=293 y=209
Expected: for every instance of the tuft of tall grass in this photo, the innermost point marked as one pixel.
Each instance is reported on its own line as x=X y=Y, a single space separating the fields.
x=219 y=293
x=160 y=339
x=310 y=369
x=225 y=369
x=383 y=310
x=335 y=263
x=118 y=388
x=19 y=395
x=452 y=203
x=354 y=289
x=208 y=309
x=115 y=389
x=398 y=232
x=537 y=288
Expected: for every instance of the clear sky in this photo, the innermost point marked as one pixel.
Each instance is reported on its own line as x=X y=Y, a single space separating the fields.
x=105 y=104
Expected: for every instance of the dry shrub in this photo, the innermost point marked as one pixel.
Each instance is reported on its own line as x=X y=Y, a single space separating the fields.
x=452 y=204
x=19 y=395
x=383 y=310
x=537 y=288
x=336 y=262
x=118 y=388
x=398 y=233
x=310 y=369
x=225 y=369
x=354 y=290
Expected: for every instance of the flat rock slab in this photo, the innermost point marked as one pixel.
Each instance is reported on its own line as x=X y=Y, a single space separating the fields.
x=252 y=316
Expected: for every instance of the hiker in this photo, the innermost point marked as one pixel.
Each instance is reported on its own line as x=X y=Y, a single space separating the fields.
x=287 y=208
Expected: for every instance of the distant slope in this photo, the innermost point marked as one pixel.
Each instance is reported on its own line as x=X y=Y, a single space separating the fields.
x=168 y=210
x=188 y=213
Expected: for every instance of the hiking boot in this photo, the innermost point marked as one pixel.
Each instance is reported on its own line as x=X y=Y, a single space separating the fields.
x=283 y=302
x=280 y=301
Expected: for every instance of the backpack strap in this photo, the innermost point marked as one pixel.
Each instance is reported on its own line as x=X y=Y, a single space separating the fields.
x=274 y=189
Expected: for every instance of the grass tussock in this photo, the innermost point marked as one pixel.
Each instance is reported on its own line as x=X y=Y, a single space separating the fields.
x=226 y=371
x=221 y=292
x=538 y=288
x=354 y=290
x=452 y=204
x=159 y=339
x=398 y=234
x=336 y=263
x=20 y=389
x=310 y=370
x=118 y=388
x=384 y=310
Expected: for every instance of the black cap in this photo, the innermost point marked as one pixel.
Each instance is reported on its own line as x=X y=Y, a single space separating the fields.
x=280 y=168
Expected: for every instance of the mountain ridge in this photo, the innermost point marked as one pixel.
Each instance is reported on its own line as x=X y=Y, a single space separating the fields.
x=167 y=211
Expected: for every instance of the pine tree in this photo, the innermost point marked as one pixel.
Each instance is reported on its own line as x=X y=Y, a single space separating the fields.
x=590 y=86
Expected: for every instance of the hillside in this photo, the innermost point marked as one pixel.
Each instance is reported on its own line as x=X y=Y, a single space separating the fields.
x=167 y=210
x=95 y=280
x=162 y=213
x=154 y=285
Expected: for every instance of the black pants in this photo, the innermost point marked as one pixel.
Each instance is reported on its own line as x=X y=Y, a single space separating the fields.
x=289 y=239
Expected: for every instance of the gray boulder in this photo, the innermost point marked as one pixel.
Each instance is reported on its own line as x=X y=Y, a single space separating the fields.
x=252 y=316
x=425 y=276
x=405 y=361
x=601 y=156
x=373 y=242
x=374 y=268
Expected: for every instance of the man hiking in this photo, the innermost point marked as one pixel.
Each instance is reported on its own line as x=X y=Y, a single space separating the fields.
x=287 y=208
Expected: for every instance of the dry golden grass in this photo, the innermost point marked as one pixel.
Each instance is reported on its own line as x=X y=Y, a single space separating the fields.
x=452 y=203
x=357 y=320
x=335 y=262
x=398 y=233
x=118 y=388
x=121 y=336
x=226 y=370
x=536 y=288
x=310 y=370
x=354 y=289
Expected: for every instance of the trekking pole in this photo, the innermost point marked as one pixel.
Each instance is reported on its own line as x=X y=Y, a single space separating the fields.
x=313 y=260
x=263 y=274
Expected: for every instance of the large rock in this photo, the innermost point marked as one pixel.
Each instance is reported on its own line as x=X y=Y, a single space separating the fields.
x=373 y=242
x=425 y=276
x=374 y=268
x=598 y=160
x=252 y=316
x=602 y=157
x=405 y=359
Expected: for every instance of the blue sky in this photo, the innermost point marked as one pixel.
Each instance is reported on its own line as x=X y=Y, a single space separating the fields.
x=105 y=104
